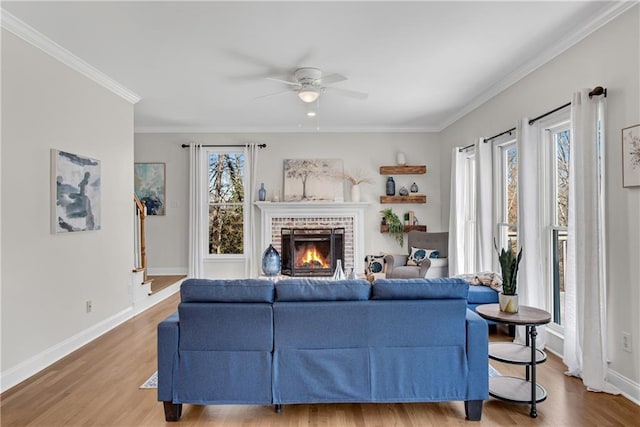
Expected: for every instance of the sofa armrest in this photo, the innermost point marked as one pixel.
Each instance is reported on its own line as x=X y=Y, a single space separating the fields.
x=393 y=261
x=424 y=267
x=168 y=337
x=477 y=356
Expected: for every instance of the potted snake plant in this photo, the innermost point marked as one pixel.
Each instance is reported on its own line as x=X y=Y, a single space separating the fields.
x=509 y=263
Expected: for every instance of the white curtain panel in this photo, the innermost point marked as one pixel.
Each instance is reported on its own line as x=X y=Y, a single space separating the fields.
x=484 y=206
x=585 y=331
x=531 y=283
x=456 y=214
x=251 y=191
x=197 y=224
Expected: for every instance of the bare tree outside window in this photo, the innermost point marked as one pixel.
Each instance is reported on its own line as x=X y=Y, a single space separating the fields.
x=562 y=149
x=562 y=176
x=226 y=203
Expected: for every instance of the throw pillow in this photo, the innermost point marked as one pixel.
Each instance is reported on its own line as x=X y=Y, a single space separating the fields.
x=373 y=264
x=418 y=255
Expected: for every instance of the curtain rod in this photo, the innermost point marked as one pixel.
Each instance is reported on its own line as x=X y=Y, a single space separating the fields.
x=500 y=134
x=597 y=91
x=460 y=150
x=228 y=145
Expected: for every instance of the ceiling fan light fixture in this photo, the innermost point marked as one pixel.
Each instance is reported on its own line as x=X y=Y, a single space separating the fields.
x=308 y=94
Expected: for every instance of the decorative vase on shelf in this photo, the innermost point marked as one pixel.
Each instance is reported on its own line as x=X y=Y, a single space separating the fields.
x=339 y=273
x=355 y=193
x=391 y=186
x=403 y=191
x=262 y=193
x=271 y=261
x=414 y=188
x=401 y=159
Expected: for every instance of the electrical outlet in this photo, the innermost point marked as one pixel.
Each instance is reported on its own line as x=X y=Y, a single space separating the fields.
x=89 y=306
x=626 y=341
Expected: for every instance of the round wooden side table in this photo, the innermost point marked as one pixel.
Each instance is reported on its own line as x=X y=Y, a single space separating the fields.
x=514 y=389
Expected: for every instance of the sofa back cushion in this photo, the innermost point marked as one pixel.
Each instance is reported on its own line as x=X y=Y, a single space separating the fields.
x=225 y=326
x=409 y=289
x=240 y=290
x=322 y=290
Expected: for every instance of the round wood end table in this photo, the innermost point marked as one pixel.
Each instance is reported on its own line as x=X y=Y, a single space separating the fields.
x=513 y=389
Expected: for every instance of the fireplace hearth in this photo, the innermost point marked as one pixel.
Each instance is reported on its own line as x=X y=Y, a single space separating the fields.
x=311 y=251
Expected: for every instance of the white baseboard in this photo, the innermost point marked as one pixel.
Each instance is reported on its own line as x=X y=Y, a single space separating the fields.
x=14 y=376
x=35 y=364
x=628 y=388
x=171 y=271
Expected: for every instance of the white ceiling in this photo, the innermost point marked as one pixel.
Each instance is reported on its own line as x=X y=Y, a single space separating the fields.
x=199 y=66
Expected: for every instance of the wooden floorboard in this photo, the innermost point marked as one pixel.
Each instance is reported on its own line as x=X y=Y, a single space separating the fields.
x=98 y=386
x=158 y=283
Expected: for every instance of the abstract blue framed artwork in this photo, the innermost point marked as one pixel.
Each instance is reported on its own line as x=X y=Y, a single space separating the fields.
x=149 y=185
x=76 y=189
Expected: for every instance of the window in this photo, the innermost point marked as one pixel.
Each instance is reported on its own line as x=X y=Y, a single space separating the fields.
x=506 y=181
x=558 y=144
x=227 y=208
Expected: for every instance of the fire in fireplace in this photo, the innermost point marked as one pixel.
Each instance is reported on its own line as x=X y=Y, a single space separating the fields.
x=311 y=251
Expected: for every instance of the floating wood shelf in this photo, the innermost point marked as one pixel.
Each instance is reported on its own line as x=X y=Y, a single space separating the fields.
x=411 y=198
x=407 y=228
x=403 y=170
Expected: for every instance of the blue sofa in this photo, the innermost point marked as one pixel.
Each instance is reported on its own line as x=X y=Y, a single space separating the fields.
x=315 y=341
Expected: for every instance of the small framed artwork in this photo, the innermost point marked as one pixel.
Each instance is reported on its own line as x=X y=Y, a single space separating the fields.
x=631 y=156
x=312 y=180
x=149 y=186
x=76 y=193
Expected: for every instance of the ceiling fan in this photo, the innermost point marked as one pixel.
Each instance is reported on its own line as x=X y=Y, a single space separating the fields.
x=310 y=83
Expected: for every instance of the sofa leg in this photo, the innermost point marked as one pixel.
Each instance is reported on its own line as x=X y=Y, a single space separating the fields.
x=277 y=408
x=172 y=411
x=473 y=409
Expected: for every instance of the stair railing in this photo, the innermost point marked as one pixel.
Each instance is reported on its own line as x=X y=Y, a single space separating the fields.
x=140 y=244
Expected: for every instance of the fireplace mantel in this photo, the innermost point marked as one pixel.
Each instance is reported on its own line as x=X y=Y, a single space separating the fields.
x=356 y=211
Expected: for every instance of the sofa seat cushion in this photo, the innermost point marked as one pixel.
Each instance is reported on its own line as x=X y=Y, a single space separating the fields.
x=482 y=295
x=245 y=290
x=437 y=288
x=322 y=290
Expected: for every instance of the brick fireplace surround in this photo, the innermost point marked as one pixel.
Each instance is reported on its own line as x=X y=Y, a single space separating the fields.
x=350 y=216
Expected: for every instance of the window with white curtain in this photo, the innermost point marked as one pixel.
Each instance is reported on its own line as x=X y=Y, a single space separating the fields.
x=506 y=191
x=557 y=146
x=469 y=210
x=227 y=207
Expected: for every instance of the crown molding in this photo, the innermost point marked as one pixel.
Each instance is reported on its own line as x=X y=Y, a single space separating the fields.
x=606 y=15
x=42 y=42
x=225 y=129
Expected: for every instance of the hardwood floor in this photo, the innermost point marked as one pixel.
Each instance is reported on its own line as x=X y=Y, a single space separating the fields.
x=161 y=282
x=98 y=386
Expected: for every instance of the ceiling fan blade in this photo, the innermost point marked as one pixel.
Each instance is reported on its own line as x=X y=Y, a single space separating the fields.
x=331 y=78
x=284 y=81
x=347 y=92
x=269 y=95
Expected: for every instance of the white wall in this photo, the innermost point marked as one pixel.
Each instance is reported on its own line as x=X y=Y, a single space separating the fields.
x=610 y=58
x=167 y=235
x=46 y=278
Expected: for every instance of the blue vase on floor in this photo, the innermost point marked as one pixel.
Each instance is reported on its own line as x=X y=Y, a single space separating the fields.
x=271 y=261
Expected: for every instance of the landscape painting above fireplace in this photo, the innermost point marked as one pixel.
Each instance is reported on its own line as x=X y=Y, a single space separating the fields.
x=313 y=180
